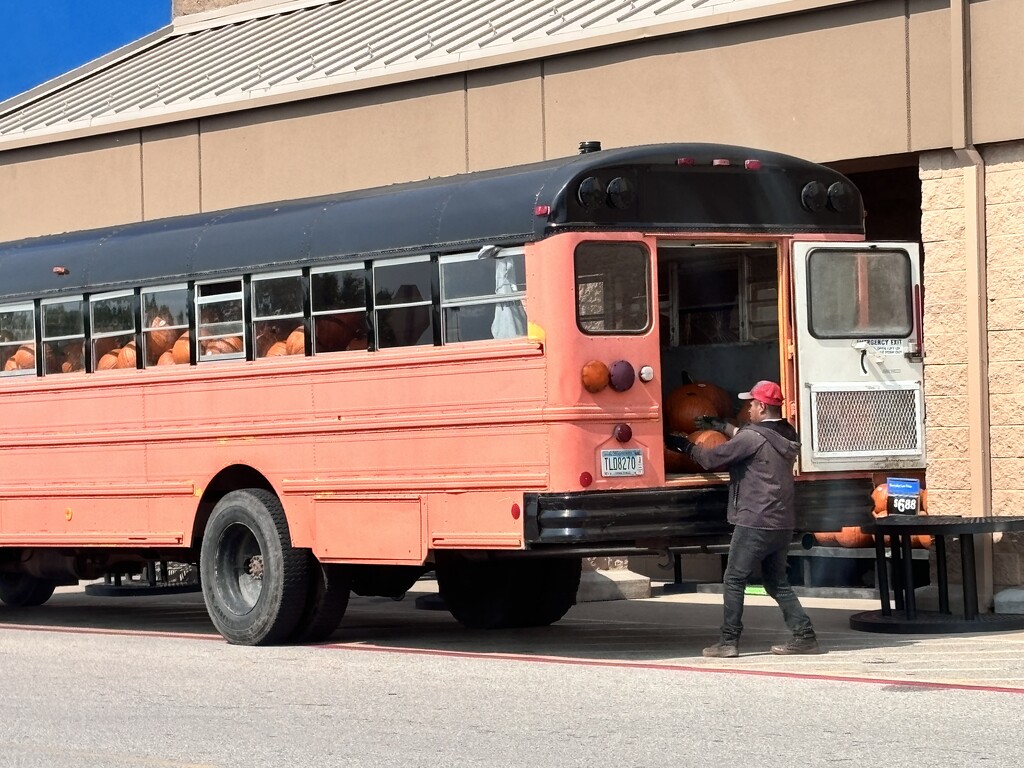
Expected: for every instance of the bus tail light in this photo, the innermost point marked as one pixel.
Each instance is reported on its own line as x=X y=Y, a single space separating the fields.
x=623 y=433
x=621 y=376
x=752 y=165
x=586 y=479
x=595 y=376
x=516 y=511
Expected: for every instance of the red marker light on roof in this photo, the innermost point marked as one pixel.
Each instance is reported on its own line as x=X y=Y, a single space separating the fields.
x=684 y=161
x=541 y=210
x=721 y=161
x=752 y=165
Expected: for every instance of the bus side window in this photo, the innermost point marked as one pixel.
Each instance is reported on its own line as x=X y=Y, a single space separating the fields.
x=219 y=309
x=112 y=331
x=402 y=298
x=338 y=299
x=63 y=335
x=17 y=340
x=277 y=322
x=482 y=295
x=165 y=325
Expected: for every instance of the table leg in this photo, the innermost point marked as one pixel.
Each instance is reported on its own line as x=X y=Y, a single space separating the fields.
x=882 y=576
x=909 y=601
x=897 y=570
x=970 y=576
x=940 y=567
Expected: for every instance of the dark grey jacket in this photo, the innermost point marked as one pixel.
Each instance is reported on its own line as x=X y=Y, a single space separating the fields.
x=760 y=461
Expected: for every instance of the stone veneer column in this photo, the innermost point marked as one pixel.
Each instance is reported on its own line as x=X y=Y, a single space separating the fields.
x=1004 y=201
x=945 y=332
x=946 y=306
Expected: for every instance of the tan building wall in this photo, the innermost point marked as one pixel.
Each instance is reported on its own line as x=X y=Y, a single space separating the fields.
x=184 y=7
x=949 y=429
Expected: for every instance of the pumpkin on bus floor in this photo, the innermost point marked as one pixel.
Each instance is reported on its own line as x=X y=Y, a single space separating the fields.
x=255 y=584
x=505 y=593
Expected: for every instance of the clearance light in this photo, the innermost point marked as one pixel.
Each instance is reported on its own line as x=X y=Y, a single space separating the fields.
x=595 y=376
x=752 y=165
x=687 y=161
x=586 y=479
x=840 y=197
x=620 y=193
x=516 y=511
x=541 y=210
x=623 y=433
x=621 y=375
x=721 y=161
x=813 y=196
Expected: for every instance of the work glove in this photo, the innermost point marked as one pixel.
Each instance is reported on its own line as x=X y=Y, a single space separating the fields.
x=710 y=422
x=678 y=443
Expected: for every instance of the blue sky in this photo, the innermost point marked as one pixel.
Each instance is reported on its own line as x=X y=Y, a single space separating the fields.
x=41 y=39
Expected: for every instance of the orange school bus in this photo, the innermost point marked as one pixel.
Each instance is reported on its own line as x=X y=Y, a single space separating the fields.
x=470 y=374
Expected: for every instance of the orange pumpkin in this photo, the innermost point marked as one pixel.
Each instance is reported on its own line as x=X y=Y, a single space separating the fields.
x=11 y=364
x=126 y=357
x=676 y=462
x=852 y=536
x=25 y=357
x=881 y=498
x=180 y=351
x=296 y=343
x=718 y=397
x=334 y=333
x=159 y=341
x=707 y=438
x=826 y=538
x=277 y=349
x=167 y=358
x=108 y=361
x=682 y=409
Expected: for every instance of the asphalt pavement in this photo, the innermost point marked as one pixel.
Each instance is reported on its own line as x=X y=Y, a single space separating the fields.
x=662 y=632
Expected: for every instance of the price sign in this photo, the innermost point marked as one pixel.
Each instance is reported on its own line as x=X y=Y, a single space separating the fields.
x=904 y=496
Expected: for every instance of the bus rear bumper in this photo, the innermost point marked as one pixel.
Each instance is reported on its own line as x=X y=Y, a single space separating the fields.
x=658 y=518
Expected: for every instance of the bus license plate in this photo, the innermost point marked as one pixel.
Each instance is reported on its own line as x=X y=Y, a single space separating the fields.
x=622 y=463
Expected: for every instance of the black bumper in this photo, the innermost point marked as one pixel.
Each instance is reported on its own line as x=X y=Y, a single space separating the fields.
x=661 y=517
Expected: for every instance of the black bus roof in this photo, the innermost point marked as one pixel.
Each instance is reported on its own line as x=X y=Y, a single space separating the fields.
x=666 y=188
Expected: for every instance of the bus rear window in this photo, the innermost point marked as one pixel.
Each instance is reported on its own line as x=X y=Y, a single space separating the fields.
x=855 y=294
x=612 y=288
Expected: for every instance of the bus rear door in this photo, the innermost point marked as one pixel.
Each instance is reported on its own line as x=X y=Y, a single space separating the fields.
x=859 y=350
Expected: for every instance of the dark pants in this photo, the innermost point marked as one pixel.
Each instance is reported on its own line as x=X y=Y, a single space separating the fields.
x=748 y=548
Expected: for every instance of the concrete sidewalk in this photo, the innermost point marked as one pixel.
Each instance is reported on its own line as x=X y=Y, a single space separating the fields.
x=663 y=631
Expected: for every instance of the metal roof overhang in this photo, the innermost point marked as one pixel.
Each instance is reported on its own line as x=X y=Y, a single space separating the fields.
x=263 y=54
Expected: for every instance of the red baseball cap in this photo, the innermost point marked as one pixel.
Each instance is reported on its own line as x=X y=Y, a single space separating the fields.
x=767 y=392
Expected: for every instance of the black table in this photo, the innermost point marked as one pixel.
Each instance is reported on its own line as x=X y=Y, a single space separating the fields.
x=906 y=618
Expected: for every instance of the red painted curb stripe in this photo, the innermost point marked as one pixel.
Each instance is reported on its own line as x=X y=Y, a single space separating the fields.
x=571 y=661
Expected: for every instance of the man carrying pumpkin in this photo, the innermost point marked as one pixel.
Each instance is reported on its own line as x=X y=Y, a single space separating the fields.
x=759 y=457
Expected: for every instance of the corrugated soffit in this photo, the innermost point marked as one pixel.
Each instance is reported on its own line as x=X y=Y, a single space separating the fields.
x=288 y=51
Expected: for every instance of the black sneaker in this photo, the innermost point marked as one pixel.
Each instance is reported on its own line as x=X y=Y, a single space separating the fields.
x=798 y=645
x=722 y=651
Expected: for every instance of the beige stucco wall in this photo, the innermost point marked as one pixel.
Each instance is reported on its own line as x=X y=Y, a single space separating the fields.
x=949 y=429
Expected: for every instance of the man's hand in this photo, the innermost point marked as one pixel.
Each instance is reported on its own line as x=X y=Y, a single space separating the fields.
x=678 y=443
x=711 y=422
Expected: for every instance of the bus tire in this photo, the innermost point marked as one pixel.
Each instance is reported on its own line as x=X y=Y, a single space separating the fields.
x=547 y=590
x=19 y=590
x=476 y=592
x=326 y=602
x=254 y=582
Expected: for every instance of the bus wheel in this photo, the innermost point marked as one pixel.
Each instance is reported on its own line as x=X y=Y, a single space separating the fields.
x=476 y=592
x=254 y=581
x=492 y=594
x=546 y=590
x=19 y=590
x=326 y=602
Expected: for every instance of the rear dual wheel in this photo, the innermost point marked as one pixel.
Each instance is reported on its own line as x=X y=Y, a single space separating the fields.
x=495 y=594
